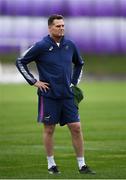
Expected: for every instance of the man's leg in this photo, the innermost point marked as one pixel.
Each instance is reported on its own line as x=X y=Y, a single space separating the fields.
x=78 y=144
x=48 y=139
x=77 y=138
x=49 y=145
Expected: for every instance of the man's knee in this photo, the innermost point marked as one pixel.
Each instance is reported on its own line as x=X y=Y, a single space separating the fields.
x=75 y=128
x=49 y=129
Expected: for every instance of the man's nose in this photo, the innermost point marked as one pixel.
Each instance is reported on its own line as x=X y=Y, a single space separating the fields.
x=62 y=28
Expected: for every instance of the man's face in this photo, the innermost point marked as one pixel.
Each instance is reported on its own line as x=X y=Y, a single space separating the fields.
x=57 y=28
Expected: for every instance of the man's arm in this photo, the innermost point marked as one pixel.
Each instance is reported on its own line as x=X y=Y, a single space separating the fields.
x=77 y=69
x=30 y=55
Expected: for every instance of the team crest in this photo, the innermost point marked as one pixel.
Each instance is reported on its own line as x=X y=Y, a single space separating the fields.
x=66 y=47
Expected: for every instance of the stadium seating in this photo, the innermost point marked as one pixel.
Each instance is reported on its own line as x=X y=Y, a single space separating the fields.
x=96 y=26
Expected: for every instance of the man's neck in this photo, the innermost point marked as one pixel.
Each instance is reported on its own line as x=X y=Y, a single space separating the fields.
x=56 y=39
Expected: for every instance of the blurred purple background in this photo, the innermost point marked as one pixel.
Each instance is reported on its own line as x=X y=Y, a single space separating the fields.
x=97 y=26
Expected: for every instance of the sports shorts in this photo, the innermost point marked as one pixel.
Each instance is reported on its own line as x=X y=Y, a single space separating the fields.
x=54 y=111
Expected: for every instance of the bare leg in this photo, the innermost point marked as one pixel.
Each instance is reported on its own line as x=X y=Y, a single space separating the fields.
x=77 y=138
x=49 y=145
x=48 y=139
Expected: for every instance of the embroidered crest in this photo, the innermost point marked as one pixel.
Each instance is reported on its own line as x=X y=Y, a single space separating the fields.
x=66 y=47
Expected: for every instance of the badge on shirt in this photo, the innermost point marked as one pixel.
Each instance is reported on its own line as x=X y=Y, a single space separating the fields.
x=51 y=48
x=66 y=47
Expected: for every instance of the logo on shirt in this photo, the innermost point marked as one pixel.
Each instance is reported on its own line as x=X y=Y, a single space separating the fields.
x=51 y=48
x=66 y=47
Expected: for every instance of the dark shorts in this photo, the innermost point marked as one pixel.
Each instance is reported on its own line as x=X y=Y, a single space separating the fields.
x=54 y=111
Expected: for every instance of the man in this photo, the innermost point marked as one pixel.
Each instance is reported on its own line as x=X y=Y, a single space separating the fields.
x=54 y=56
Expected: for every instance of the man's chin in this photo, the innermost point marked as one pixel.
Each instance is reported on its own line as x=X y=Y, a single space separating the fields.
x=61 y=35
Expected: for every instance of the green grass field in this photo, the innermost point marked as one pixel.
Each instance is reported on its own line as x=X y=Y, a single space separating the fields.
x=103 y=118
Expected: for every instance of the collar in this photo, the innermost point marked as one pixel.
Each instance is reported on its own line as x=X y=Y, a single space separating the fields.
x=62 y=41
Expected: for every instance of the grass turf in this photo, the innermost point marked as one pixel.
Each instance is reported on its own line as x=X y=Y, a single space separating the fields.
x=103 y=119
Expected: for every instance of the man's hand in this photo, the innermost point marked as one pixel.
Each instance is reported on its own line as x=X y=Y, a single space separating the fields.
x=42 y=85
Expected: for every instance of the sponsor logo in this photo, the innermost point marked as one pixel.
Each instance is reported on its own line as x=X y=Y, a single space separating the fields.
x=51 y=48
x=46 y=118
